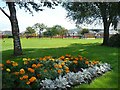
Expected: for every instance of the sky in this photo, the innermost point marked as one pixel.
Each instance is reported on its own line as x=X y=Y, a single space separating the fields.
x=49 y=17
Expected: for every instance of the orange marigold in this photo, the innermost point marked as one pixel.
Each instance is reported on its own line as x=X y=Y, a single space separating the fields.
x=8 y=62
x=62 y=57
x=15 y=64
x=25 y=77
x=22 y=71
x=16 y=73
x=75 y=62
x=62 y=63
x=67 y=71
x=66 y=68
x=1 y=65
x=31 y=70
x=32 y=79
x=56 y=65
x=39 y=65
x=59 y=71
x=38 y=75
x=34 y=65
x=86 y=62
x=44 y=59
x=76 y=58
x=67 y=55
x=45 y=70
x=59 y=66
x=81 y=58
x=40 y=58
x=28 y=82
x=21 y=78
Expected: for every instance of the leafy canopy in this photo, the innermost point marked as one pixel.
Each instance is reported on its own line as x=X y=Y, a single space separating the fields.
x=88 y=12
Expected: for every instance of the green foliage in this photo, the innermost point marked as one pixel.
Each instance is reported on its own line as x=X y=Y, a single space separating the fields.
x=84 y=31
x=39 y=26
x=30 y=30
x=55 y=30
x=114 y=41
x=19 y=74
x=88 y=12
x=89 y=48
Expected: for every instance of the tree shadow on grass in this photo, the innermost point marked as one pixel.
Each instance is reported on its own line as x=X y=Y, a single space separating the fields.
x=90 y=51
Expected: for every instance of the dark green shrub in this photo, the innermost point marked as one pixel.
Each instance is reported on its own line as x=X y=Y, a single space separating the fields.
x=10 y=36
x=114 y=41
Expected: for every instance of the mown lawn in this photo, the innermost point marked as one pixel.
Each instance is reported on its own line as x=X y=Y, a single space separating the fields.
x=89 y=48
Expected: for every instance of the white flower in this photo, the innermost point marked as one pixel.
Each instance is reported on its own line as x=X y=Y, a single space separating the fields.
x=72 y=78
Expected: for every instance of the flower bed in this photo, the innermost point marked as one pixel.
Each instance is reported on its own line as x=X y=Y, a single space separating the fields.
x=48 y=72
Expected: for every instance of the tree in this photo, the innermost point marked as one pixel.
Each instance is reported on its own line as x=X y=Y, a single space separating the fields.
x=39 y=27
x=55 y=30
x=84 y=31
x=88 y=12
x=14 y=22
x=29 y=30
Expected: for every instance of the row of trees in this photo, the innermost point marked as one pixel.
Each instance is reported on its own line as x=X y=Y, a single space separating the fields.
x=56 y=30
x=80 y=12
x=50 y=31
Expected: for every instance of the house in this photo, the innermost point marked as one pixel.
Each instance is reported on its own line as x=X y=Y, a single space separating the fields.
x=74 y=32
x=7 y=33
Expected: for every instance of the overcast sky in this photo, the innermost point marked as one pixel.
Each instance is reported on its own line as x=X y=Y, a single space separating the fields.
x=49 y=17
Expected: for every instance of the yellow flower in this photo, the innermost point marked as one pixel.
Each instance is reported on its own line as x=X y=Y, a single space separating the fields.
x=53 y=59
x=8 y=70
x=33 y=59
x=66 y=58
x=25 y=62
x=62 y=63
x=22 y=71
x=24 y=59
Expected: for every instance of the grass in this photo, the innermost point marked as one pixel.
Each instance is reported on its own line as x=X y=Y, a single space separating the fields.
x=90 y=48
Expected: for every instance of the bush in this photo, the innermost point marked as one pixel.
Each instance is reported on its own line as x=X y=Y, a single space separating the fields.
x=114 y=41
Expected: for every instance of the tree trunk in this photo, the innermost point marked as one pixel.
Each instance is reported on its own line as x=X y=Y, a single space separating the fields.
x=106 y=31
x=15 y=29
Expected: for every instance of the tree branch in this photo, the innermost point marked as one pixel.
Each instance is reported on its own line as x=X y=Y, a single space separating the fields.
x=4 y=12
